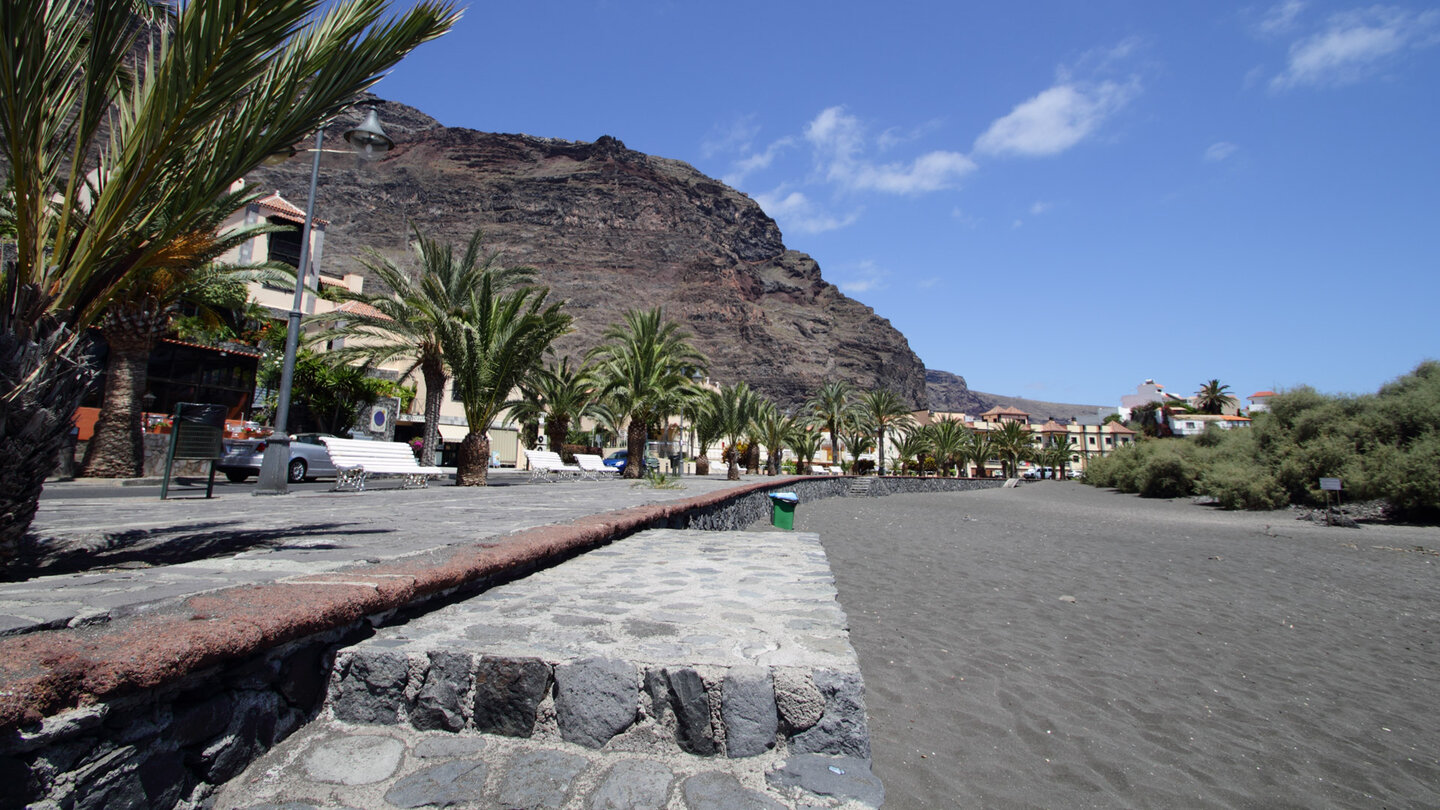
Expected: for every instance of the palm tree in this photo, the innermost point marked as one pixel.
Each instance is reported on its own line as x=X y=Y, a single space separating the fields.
x=886 y=413
x=526 y=411
x=1014 y=442
x=913 y=445
x=707 y=431
x=947 y=440
x=1214 y=398
x=857 y=434
x=501 y=337
x=773 y=429
x=1057 y=454
x=733 y=408
x=829 y=407
x=565 y=394
x=979 y=449
x=805 y=441
x=642 y=363
x=137 y=316
x=115 y=174
x=407 y=321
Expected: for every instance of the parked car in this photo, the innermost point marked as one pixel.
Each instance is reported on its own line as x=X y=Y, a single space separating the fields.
x=620 y=458
x=308 y=458
x=1038 y=473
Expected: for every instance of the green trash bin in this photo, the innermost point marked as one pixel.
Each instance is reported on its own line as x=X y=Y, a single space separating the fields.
x=782 y=509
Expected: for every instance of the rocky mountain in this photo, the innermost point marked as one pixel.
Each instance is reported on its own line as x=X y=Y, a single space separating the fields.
x=950 y=392
x=610 y=229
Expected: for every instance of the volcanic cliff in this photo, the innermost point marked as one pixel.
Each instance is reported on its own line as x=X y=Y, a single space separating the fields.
x=611 y=229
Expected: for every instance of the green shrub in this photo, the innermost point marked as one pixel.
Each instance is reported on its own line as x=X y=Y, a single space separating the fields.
x=1238 y=485
x=1166 y=475
x=1383 y=446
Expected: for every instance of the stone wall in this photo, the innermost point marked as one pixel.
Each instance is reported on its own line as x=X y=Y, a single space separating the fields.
x=174 y=744
x=171 y=745
x=895 y=486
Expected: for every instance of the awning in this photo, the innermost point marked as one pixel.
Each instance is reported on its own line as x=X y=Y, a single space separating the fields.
x=453 y=433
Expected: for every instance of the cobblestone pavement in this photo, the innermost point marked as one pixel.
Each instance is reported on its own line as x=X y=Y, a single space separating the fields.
x=154 y=551
x=674 y=669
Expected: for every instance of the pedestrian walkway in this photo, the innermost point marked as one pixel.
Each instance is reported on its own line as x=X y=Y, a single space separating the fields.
x=151 y=552
x=675 y=669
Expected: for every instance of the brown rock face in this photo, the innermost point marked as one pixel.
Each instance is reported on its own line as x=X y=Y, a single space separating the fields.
x=612 y=229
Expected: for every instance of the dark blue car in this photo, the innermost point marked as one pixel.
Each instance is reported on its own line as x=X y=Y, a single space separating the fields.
x=619 y=458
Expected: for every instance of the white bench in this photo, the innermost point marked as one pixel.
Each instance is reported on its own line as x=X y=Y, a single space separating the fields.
x=356 y=460
x=544 y=464
x=594 y=467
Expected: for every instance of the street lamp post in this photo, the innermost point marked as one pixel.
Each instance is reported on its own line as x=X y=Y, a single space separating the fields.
x=370 y=142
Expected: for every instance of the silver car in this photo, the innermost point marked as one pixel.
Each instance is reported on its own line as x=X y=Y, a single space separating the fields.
x=308 y=458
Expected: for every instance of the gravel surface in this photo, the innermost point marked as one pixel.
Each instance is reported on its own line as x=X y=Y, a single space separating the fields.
x=1062 y=646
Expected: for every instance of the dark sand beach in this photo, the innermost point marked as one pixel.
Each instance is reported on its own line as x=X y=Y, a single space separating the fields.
x=1061 y=646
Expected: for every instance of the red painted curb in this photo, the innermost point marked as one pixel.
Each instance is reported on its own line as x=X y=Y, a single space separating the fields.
x=48 y=672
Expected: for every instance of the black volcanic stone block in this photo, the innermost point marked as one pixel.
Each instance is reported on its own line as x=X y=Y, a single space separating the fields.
x=508 y=692
x=595 y=699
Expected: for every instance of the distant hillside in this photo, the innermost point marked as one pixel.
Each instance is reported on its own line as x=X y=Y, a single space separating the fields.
x=611 y=229
x=950 y=392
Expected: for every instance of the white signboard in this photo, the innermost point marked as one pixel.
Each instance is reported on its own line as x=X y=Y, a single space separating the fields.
x=1330 y=484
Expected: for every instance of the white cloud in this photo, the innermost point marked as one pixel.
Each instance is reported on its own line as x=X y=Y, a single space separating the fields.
x=1355 y=45
x=736 y=137
x=797 y=211
x=839 y=142
x=1280 y=17
x=756 y=162
x=1219 y=150
x=965 y=220
x=863 y=277
x=1039 y=207
x=929 y=172
x=1056 y=119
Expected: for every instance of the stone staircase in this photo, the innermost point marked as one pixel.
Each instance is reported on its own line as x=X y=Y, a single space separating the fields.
x=672 y=669
x=859 y=487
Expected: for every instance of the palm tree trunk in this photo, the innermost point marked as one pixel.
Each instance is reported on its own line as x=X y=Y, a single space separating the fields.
x=880 y=453
x=635 y=436
x=434 y=375
x=117 y=450
x=44 y=380
x=556 y=430
x=732 y=469
x=752 y=459
x=472 y=468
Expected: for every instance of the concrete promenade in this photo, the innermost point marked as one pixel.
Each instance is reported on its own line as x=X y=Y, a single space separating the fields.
x=205 y=630
x=145 y=553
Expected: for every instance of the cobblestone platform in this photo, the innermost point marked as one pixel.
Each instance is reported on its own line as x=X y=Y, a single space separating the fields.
x=672 y=669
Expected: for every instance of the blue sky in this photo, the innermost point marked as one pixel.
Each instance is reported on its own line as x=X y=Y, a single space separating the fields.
x=1053 y=199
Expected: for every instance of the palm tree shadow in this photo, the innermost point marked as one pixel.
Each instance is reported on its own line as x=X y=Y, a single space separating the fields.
x=149 y=548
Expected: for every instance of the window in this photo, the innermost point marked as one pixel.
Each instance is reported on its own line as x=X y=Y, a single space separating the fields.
x=284 y=246
x=1092 y=440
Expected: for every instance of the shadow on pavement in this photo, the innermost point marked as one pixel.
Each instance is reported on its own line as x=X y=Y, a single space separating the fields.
x=146 y=548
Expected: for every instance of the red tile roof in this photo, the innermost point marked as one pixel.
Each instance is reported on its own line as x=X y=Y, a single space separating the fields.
x=1005 y=411
x=1262 y=394
x=362 y=308
x=284 y=209
x=246 y=352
